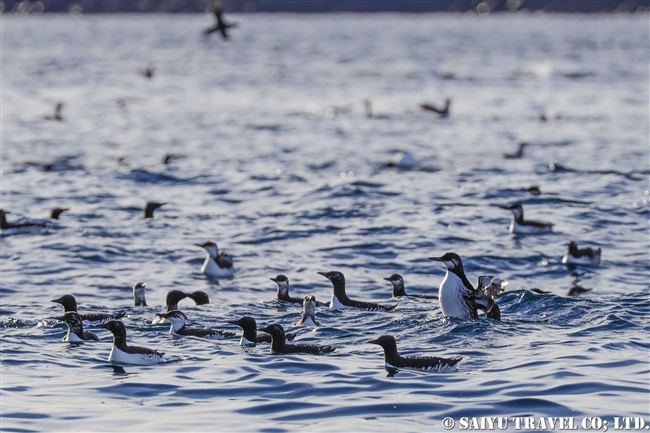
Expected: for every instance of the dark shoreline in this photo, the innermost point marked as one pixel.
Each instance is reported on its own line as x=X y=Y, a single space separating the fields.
x=326 y=6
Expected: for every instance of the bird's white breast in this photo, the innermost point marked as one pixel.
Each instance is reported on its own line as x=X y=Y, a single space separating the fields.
x=211 y=268
x=451 y=298
x=335 y=303
x=117 y=356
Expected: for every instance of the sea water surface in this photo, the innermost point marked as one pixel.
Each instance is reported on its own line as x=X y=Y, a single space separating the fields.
x=277 y=162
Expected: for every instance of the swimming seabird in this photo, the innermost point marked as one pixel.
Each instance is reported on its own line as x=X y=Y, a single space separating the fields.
x=392 y=358
x=521 y=226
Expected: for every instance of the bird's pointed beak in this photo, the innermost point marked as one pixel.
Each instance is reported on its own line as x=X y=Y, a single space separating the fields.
x=437 y=259
x=323 y=274
x=373 y=342
x=275 y=280
x=388 y=279
x=233 y=322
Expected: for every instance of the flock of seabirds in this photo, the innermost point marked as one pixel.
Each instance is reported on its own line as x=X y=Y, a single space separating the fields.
x=457 y=296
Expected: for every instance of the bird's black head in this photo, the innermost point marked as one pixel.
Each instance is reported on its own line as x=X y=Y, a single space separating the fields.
x=335 y=277
x=174 y=297
x=451 y=260
x=281 y=279
x=572 y=247
x=68 y=302
x=385 y=341
x=245 y=323
x=516 y=209
x=199 y=297
x=395 y=279
x=275 y=330
x=57 y=211
x=151 y=206
x=116 y=327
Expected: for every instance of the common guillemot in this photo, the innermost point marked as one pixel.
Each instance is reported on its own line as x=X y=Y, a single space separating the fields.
x=279 y=345
x=283 y=291
x=221 y=26
x=216 y=264
x=340 y=298
x=519 y=153
x=398 y=288
x=121 y=353
x=250 y=337
x=76 y=333
x=70 y=304
x=456 y=293
x=175 y=296
x=581 y=256
x=392 y=358
x=309 y=310
x=177 y=320
x=151 y=206
x=57 y=211
x=138 y=295
x=19 y=228
x=520 y=226
x=442 y=112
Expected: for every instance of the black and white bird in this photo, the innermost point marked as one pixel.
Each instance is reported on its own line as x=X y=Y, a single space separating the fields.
x=121 y=353
x=178 y=327
x=20 y=228
x=76 y=333
x=150 y=207
x=217 y=264
x=458 y=298
x=398 y=288
x=392 y=358
x=70 y=304
x=442 y=112
x=221 y=26
x=309 y=312
x=581 y=256
x=283 y=291
x=138 y=295
x=340 y=298
x=175 y=296
x=250 y=337
x=521 y=226
x=279 y=344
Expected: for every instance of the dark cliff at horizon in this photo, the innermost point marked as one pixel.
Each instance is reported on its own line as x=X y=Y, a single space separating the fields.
x=327 y=6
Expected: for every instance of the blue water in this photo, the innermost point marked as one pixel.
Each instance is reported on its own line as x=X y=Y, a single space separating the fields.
x=287 y=186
